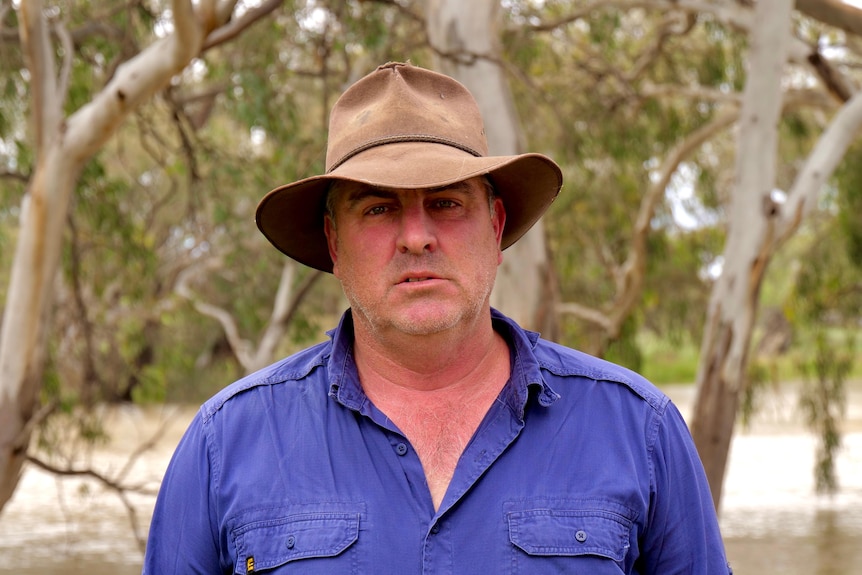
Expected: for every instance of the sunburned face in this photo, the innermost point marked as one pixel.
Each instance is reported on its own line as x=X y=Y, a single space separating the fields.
x=417 y=262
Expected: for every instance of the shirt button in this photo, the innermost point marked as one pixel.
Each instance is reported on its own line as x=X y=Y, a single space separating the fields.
x=291 y=541
x=401 y=449
x=435 y=529
x=581 y=536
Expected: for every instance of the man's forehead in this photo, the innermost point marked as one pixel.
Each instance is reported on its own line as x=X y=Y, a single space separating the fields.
x=352 y=191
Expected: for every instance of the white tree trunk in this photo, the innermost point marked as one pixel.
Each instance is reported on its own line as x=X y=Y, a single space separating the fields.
x=749 y=245
x=62 y=148
x=465 y=35
x=25 y=319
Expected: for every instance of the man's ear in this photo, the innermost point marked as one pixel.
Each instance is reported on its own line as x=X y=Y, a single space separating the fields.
x=498 y=222
x=331 y=241
x=499 y=219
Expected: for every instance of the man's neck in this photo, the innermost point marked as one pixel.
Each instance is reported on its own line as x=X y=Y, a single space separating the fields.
x=429 y=362
x=436 y=390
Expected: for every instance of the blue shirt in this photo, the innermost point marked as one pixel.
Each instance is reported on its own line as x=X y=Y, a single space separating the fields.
x=581 y=466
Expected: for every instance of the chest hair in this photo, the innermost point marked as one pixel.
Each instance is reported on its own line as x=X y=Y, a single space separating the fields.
x=439 y=433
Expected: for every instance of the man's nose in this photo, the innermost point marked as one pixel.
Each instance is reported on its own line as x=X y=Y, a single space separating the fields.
x=416 y=233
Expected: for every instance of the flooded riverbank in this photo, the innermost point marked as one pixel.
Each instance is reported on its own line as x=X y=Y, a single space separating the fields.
x=772 y=520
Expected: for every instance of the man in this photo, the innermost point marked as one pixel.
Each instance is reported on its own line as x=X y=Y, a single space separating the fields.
x=431 y=434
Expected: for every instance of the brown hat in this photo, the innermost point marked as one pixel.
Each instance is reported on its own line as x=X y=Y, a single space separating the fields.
x=405 y=127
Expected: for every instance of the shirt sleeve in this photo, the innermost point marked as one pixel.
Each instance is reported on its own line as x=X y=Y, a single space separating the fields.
x=184 y=534
x=683 y=534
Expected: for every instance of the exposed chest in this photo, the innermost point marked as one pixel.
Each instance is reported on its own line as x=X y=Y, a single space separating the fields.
x=439 y=432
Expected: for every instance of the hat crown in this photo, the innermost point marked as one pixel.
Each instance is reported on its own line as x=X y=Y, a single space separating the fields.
x=403 y=103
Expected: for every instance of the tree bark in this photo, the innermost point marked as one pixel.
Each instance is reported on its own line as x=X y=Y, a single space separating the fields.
x=749 y=245
x=63 y=146
x=465 y=37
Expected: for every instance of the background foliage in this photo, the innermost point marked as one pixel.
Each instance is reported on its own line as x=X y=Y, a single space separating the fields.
x=608 y=94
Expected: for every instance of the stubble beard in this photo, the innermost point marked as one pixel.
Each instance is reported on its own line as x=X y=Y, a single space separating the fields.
x=380 y=319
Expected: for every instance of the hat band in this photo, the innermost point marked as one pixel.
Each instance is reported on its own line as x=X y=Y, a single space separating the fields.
x=400 y=140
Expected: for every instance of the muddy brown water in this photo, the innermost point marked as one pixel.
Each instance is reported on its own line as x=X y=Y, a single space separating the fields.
x=771 y=518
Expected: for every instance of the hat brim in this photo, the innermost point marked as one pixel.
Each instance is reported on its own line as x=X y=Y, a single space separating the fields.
x=291 y=216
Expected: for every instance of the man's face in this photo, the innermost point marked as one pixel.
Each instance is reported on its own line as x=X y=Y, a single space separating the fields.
x=415 y=261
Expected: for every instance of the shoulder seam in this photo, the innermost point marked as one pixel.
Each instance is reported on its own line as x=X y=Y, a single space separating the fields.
x=279 y=372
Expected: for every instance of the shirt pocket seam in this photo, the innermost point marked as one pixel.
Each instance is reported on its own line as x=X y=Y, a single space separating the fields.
x=283 y=536
x=571 y=531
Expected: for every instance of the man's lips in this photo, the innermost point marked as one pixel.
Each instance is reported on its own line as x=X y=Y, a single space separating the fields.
x=418 y=278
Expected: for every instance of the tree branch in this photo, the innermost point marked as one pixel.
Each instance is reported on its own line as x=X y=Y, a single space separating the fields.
x=115 y=483
x=68 y=59
x=135 y=81
x=36 y=45
x=18 y=176
x=44 y=412
x=276 y=326
x=821 y=163
x=235 y=27
x=836 y=83
x=300 y=293
x=739 y=16
x=90 y=474
x=284 y=308
x=239 y=345
x=91 y=373
x=833 y=13
x=674 y=24
x=588 y=314
x=629 y=276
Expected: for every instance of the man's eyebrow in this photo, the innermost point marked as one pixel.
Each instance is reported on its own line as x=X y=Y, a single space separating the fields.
x=461 y=186
x=361 y=193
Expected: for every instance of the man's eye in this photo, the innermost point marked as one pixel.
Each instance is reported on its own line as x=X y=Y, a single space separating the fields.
x=376 y=210
x=446 y=203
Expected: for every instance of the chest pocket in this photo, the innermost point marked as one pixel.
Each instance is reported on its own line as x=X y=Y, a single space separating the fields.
x=588 y=539
x=305 y=542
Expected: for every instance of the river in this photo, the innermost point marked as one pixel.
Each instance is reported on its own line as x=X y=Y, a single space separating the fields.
x=771 y=518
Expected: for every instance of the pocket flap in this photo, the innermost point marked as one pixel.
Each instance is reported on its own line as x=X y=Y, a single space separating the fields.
x=273 y=542
x=570 y=532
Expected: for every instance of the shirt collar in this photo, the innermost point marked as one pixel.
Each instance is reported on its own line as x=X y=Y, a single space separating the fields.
x=526 y=375
x=343 y=376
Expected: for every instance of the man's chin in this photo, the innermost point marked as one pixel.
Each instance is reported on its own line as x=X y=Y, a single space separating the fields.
x=419 y=317
x=424 y=324
x=425 y=318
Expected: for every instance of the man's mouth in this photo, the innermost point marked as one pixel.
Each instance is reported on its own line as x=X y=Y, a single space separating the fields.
x=411 y=280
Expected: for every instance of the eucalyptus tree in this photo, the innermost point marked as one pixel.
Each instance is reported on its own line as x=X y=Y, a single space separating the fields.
x=166 y=286
x=610 y=93
x=66 y=129
x=640 y=90
x=759 y=223
x=165 y=289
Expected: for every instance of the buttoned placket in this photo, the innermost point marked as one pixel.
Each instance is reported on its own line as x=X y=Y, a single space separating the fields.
x=499 y=429
x=496 y=433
